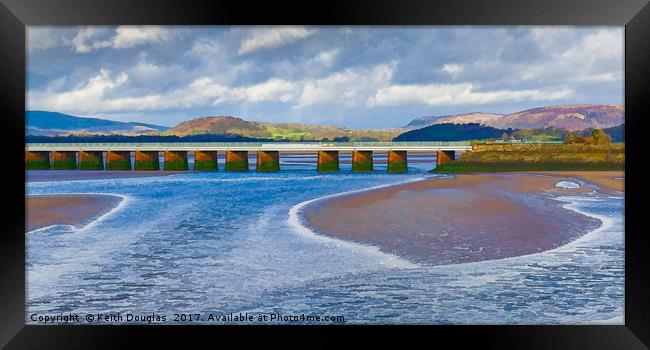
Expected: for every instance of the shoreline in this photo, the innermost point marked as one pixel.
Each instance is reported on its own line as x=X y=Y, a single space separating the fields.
x=465 y=218
x=42 y=211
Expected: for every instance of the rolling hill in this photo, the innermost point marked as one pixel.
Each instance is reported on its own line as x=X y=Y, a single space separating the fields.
x=569 y=117
x=277 y=131
x=475 y=117
x=53 y=123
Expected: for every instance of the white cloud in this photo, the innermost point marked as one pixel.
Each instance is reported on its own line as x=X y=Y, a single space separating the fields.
x=589 y=58
x=325 y=58
x=100 y=93
x=130 y=36
x=456 y=94
x=85 y=97
x=275 y=37
x=604 y=44
x=124 y=37
x=79 y=42
x=95 y=95
x=348 y=87
x=41 y=38
x=452 y=69
x=553 y=38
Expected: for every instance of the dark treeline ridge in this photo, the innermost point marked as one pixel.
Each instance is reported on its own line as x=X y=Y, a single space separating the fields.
x=167 y=138
x=141 y=138
x=454 y=132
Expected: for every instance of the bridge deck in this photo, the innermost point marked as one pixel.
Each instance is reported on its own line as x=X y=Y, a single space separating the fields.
x=297 y=147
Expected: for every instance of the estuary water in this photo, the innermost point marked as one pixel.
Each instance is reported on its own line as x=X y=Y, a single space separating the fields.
x=221 y=243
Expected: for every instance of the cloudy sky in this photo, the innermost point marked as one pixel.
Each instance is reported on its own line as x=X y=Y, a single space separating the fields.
x=363 y=77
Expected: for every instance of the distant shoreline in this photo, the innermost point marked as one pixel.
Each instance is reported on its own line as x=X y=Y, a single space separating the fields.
x=466 y=218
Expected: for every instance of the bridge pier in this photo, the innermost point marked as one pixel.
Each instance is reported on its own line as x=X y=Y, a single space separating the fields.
x=205 y=161
x=91 y=160
x=236 y=160
x=39 y=160
x=328 y=161
x=146 y=160
x=362 y=161
x=443 y=157
x=63 y=160
x=118 y=160
x=397 y=162
x=175 y=160
x=268 y=161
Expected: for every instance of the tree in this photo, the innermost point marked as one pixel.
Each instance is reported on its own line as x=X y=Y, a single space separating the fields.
x=569 y=138
x=600 y=137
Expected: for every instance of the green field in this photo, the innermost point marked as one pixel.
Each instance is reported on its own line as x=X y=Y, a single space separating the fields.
x=537 y=157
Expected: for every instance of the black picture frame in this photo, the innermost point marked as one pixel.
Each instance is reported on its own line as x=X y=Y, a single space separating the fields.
x=15 y=15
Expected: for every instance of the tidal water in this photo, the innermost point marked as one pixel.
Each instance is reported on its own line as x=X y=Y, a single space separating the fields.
x=231 y=242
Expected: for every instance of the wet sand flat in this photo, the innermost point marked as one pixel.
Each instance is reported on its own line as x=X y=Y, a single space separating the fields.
x=43 y=211
x=461 y=219
x=608 y=180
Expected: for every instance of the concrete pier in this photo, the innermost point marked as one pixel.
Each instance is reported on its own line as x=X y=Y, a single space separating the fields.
x=268 y=161
x=146 y=160
x=328 y=161
x=236 y=160
x=362 y=161
x=118 y=160
x=37 y=160
x=66 y=160
x=175 y=160
x=118 y=155
x=205 y=161
x=445 y=156
x=91 y=160
x=397 y=162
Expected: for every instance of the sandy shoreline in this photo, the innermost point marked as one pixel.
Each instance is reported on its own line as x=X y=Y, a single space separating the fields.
x=43 y=211
x=68 y=175
x=463 y=219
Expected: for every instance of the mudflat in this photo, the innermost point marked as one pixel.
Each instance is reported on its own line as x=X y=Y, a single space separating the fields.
x=43 y=211
x=461 y=219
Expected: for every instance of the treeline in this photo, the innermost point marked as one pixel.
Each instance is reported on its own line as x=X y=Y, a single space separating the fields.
x=169 y=138
x=455 y=132
x=141 y=138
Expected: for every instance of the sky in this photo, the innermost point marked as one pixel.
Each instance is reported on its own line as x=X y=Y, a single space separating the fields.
x=359 y=77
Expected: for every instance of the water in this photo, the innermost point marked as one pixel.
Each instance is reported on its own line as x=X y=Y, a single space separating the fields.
x=226 y=242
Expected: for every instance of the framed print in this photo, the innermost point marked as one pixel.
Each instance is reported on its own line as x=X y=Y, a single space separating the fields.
x=446 y=170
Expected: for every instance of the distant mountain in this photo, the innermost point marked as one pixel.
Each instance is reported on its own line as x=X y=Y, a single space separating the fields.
x=475 y=117
x=277 y=131
x=453 y=132
x=569 y=117
x=53 y=123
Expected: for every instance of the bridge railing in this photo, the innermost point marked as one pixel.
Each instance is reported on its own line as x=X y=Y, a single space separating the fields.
x=254 y=144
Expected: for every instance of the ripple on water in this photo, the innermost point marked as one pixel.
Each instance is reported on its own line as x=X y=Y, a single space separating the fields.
x=194 y=242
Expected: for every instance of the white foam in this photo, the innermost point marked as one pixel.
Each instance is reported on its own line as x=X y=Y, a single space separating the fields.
x=567 y=184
